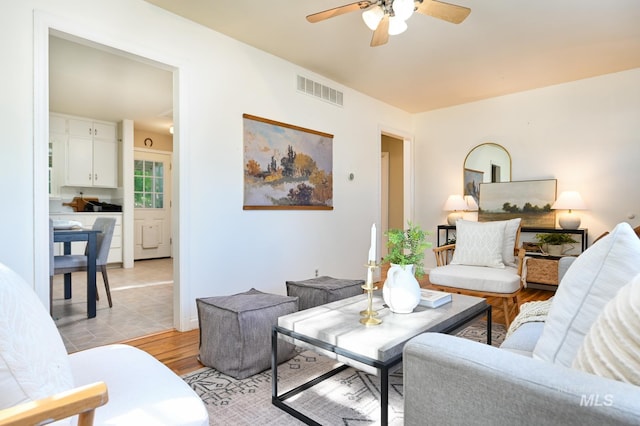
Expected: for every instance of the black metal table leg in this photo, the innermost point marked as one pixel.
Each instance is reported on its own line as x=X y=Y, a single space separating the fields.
x=384 y=396
x=489 y=326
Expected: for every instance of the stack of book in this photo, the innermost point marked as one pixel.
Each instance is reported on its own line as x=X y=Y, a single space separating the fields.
x=433 y=299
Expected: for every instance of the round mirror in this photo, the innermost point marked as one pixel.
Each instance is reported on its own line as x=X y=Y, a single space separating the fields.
x=487 y=162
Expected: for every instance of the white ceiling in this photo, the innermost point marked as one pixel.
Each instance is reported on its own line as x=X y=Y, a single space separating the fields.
x=94 y=81
x=502 y=47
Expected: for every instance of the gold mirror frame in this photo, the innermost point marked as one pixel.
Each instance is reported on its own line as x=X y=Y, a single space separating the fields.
x=487 y=162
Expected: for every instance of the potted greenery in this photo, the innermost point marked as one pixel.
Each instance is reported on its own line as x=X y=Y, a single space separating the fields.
x=553 y=244
x=406 y=247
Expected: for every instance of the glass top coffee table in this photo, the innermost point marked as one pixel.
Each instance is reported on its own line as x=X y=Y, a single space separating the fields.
x=335 y=330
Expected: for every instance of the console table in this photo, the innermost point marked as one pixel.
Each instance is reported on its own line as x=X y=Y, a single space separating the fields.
x=582 y=233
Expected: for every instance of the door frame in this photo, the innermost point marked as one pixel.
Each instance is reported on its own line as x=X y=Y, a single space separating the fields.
x=408 y=180
x=384 y=204
x=408 y=169
x=45 y=24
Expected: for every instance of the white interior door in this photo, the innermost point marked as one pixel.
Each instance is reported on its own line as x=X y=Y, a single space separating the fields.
x=152 y=205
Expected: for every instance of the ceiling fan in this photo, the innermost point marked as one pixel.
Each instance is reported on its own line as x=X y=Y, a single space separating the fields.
x=387 y=17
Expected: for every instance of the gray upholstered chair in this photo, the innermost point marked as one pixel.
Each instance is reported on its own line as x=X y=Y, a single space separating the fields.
x=67 y=264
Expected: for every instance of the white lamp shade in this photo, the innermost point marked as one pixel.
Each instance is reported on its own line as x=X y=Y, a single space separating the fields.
x=396 y=26
x=455 y=203
x=403 y=9
x=472 y=206
x=372 y=17
x=569 y=200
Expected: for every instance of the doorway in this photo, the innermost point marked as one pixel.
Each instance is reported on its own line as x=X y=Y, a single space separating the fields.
x=152 y=204
x=45 y=27
x=392 y=185
x=396 y=187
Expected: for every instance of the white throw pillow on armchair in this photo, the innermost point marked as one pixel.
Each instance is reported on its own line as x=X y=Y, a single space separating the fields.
x=592 y=280
x=479 y=243
x=509 y=243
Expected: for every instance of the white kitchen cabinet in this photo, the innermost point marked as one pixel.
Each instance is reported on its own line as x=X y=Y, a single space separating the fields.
x=91 y=158
x=87 y=220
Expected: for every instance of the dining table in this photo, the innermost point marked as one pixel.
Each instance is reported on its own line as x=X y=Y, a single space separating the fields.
x=67 y=236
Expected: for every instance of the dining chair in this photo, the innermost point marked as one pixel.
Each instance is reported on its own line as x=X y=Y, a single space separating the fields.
x=67 y=264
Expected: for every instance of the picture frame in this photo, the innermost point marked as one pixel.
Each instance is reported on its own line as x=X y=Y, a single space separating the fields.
x=530 y=200
x=286 y=167
x=472 y=180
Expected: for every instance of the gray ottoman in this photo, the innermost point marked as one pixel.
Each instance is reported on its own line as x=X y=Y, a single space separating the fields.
x=235 y=331
x=321 y=290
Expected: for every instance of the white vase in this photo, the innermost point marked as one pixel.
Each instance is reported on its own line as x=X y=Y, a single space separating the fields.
x=401 y=291
x=554 y=249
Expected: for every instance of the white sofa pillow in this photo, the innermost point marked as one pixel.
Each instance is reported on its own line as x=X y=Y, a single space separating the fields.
x=33 y=360
x=509 y=243
x=591 y=281
x=479 y=243
x=610 y=348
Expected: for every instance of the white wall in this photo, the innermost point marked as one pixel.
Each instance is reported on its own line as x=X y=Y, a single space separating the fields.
x=585 y=134
x=222 y=249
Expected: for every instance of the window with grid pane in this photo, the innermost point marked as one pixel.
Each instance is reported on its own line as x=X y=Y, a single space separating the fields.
x=148 y=184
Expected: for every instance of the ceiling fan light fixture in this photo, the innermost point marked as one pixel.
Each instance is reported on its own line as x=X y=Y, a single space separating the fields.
x=396 y=26
x=372 y=17
x=403 y=9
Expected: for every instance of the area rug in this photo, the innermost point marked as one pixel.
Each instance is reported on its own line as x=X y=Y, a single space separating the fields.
x=348 y=398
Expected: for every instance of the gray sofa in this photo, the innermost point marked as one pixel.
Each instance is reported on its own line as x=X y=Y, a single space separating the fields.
x=454 y=381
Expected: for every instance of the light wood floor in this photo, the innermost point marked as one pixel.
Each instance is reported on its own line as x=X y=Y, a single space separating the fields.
x=179 y=351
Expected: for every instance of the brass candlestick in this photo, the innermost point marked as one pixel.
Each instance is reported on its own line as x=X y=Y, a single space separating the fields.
x=369 y=314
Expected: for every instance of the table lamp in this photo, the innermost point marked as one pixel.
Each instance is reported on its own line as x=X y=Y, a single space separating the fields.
x=569 y=200
x=456 y=205
x=472 y=206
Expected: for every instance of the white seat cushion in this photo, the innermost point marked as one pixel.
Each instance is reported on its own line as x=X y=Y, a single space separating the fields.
x=479 y=278
x=523 y=340
x=142 y=391
x=592 y=280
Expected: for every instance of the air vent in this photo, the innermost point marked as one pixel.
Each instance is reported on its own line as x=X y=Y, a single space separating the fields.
x=320 y=91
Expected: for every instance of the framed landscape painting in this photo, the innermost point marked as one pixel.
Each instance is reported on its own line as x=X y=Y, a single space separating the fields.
x=472 y=181
x=286 y=167
x=530 y=200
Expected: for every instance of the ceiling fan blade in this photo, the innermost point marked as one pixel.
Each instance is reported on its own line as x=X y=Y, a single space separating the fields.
x=337 y=11
x=445 y=11
x=381 y=34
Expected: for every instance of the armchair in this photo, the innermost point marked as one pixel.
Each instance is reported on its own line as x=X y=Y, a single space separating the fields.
x=485 y=261
x=82 y=401
x=40 y=382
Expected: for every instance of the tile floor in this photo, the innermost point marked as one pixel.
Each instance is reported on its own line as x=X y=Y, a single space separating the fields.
x=142 y=304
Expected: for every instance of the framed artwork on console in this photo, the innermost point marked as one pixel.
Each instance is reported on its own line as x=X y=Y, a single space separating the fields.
x=530 y=200
x=286 y=167
x=472 y=181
